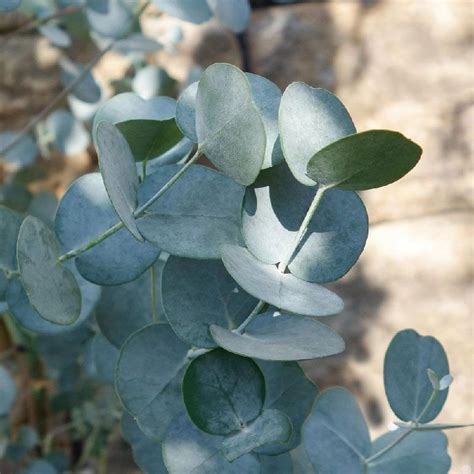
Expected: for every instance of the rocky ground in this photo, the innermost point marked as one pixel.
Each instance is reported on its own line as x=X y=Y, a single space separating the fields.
x=401 y=65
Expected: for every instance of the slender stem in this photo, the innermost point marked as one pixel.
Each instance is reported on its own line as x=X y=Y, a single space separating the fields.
x=389 y=447
x=250 y=317
x=36 y=22
x=416 y=422
x=429 y=403
x=141 y=210
x=92 y=243
x=154 y=309
x=137 y=214
x=304 y=226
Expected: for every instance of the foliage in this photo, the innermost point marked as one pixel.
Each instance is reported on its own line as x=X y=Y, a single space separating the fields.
x=177 y=297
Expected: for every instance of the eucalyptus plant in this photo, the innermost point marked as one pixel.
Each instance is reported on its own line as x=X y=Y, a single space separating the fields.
x=194 y=287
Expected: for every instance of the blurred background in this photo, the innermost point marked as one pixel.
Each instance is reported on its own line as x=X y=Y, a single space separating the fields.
x=406 y=65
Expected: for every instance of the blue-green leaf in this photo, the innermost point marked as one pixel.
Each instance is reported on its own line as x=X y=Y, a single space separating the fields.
x=187 y=449
x=202 y=207
x=39 y=466
x=228 y=124
x=407 y=385
x=274 y=208
x=55 y=34
x=26 y=316
x=110 y=18
x=223 y=392
x=9 y=5
x=151 y=81
x=84 y=213
x=282 y=290
x=198 y=293
x=52 y=289
x=10 y=222
x=335 y=435
x=310 y=119
x=119 y=174
x=137 y=43
x=186 y=112
x=365 y=160
x=148 y=377
x=282 y=337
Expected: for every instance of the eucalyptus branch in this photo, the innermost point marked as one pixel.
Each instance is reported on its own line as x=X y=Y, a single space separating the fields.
x=33 y=122
x=48 y=439
x=429 y=403
x=137 y=214
x=304 y=226
x=39 y=21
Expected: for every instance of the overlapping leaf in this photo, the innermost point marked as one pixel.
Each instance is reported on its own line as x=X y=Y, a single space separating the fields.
x=282 y=290
x=310 y=119
x=223 y=392
x=52 y=289
x=282 y=337
x=84 y=213
x=202 y=207
x=198 y=293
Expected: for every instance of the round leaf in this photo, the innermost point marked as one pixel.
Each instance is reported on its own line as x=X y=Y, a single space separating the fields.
x=15 y=196
x=336 y=425
x=286 y=382
x=407 y=385
x=148 y=376
x=137 y=43
x=198 y=293
x=418 y=453
x=187 y=449
x=282 y=290
x=124 y=309
x=282 y=464
x=195 y=11
x=223 y=392
x=229 y=127
x=310 y=119
x=365 y=160
x=68 y=134
x=27 y=317
x=274 y=208
x=282 y=337
x=7 y=392
x=84 y=213
x=202 y=207
x=234 y=14
x=52 y=289
x=119 y=174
